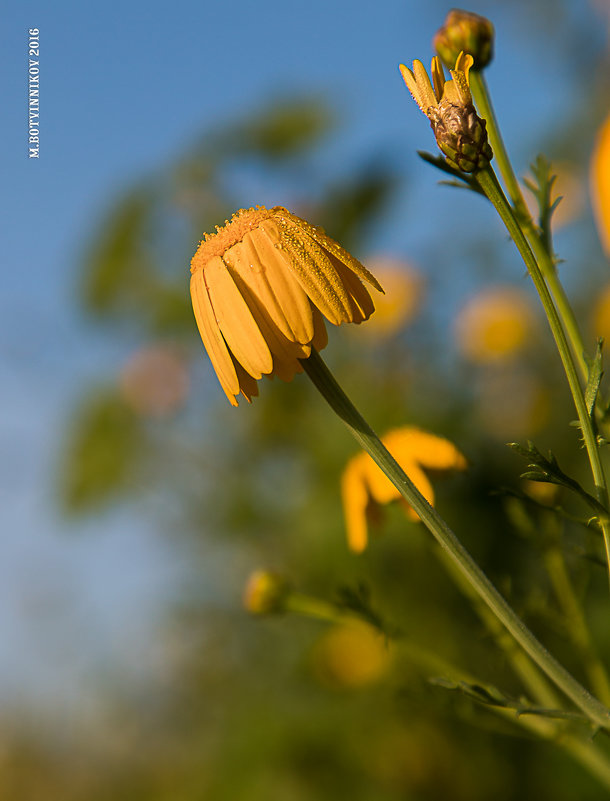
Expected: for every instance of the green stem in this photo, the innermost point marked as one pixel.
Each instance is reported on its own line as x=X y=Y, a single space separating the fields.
x=482 y=99
x=366 y=437
x=489 y=184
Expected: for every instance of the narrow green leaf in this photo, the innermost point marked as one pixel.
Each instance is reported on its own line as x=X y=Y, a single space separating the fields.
x=594 y=379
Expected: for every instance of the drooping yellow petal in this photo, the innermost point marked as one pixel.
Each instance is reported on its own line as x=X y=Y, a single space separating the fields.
x=288 y=304
x=427 y=450
x=600 y=184
x=212 y=338
x=422 y=482
x=380 y=487
x=360 y=300
x=316 y=274
x=253 y=281
x=332 y=246
x=236 y=322
x=320 y=336
x=247 y=385
x=355 y=500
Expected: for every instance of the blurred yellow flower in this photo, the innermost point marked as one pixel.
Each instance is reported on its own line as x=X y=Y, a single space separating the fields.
x=365 y=487
x=155 y=381
x=460 y=133
x=403 y=291
x=600 y=183
x=259 y=288
x=495 y=325
x=351 y=655
x=265 y=593
x=601 y=316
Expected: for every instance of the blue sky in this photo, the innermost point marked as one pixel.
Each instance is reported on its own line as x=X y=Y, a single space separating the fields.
x=123 y=88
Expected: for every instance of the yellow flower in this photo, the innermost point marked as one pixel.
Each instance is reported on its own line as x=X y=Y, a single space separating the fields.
x=600 y=184
x=351 y=655
x=364 y=486
x=495 y=325
x=460 y=133
x=259 y=288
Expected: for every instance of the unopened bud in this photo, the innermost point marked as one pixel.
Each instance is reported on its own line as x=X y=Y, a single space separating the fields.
x=462 y=136
x=265 y=593
x=467 y=32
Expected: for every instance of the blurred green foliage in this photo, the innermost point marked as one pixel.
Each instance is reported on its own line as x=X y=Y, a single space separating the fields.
x=101 y=461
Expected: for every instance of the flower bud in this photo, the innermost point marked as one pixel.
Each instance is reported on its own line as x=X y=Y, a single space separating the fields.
x=462 y=136
x=265 y=593
x=467 y=32
x=460 y=133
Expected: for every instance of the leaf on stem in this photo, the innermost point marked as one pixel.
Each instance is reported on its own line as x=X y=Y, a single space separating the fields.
x=595 y=376
x=491 y=696
x=483 y=694
x=546 y=469
x=541 y=188
x=464 y=181
x=357 y=600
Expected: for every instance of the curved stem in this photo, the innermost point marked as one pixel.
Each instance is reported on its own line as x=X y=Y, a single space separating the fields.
x=317 y=371
x=489 y=184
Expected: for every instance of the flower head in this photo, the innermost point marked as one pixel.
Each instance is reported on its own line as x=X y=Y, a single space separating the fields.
x=465 y=31
x=460 y=133
x=365 y=486
x=259 y=288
